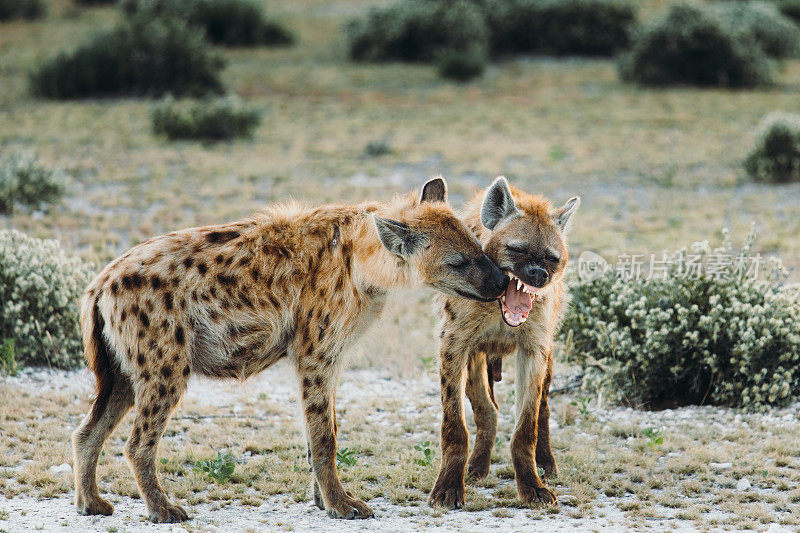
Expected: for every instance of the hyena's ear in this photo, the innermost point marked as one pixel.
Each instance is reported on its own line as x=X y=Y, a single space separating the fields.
x=434 y=191
x=563 y=217
x=497 y=204
x=398 y=238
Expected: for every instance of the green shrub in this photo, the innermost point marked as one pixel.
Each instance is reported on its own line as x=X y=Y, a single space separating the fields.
x=777 y=35
x=21 y=9
x=775 y=156
x=141 y=56
x=96 y=2
x=790 y=8
x=24 y=182
x=40 y=288
x=229 y=22
x=208 y=120
x=690 y=339
x=560 y=27
x=410 y=30
x=691 y=45
x=417 y=30
x=461 y=65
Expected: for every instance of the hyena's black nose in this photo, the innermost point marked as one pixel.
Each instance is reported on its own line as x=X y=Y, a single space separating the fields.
x=499 y=280
x=537 y=275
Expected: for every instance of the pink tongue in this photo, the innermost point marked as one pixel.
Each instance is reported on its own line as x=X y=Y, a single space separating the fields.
x=518 y=302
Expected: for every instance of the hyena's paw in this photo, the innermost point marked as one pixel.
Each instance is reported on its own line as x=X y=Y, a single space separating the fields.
x=478 y=467
x=168 y=513
x=531 y=495
x=447 y=496
x=92 y=506
x=350 y=508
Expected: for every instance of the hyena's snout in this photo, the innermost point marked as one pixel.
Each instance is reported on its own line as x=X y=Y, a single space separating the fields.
x=494 y=281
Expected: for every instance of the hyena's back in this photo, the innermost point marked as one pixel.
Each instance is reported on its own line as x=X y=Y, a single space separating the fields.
x=216 y=300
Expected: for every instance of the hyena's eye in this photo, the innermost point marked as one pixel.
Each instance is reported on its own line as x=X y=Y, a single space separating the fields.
x=552 y=258
x=458 y=263
x=516 y=249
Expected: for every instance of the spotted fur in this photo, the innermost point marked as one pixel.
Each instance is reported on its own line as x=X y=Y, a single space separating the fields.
x=228 y=301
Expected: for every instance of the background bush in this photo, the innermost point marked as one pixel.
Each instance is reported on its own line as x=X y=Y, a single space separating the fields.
x=790 y=8
x=142 y=56
x=679 y=340
x=410 y=30
x=40 y=289
x=24 y=182
x=777 y=35
x=208 y=120
x=230 y=22
x=560 y=27
x=21 y=9
x=690 y=44
x=461 y=65
x=417 y=30
x=775 y=156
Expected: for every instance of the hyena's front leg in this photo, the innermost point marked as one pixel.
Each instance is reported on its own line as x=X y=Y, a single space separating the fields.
x=485 y=410
x=530 y=384
x=317 y=389
x=449 y=488
x=544 y=454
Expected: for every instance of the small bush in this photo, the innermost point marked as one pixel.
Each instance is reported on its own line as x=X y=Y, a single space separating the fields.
x=96 y=2
x=417 y=30
x=777 y=35
x=40 y=288
x=691 y=45
x=690 y=339
x=21 y=9
x=229 y=22
x=24 y=182
x=377 y=148
x=461 y=65
x=143 y=56
x=775 y=156
x=209 y=120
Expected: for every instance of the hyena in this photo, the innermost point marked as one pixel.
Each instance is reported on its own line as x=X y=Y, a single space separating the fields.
x=228 y=301
x=526 y=237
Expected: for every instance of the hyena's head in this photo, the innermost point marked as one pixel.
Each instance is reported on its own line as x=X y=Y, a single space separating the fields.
x=527 y=240
x=440 y=248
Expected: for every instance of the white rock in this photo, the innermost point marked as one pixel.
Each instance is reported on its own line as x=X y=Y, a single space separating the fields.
x=742 y=484
x=61 y=469
x=265 y=508
x=721 y=466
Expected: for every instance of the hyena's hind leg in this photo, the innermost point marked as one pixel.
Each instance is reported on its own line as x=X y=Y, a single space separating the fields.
x=544 y=453
x=87 y=443
x=158 y=390
x=484 y=408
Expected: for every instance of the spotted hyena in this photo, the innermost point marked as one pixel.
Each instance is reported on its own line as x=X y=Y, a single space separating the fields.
x=228 y=301
x=526 y=237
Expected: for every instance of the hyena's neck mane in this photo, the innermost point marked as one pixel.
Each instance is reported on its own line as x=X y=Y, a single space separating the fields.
x=347 y=232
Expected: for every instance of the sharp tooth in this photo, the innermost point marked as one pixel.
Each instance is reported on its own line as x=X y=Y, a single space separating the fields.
x=519 y=284
x=523 y=320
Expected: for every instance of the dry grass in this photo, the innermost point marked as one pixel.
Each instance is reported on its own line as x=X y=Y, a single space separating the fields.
x=603 y=462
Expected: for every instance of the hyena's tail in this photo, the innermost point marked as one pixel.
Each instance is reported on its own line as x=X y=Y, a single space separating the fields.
x=95 y=350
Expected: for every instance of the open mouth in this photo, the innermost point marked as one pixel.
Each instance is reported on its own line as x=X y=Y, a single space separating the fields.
x=516 y=303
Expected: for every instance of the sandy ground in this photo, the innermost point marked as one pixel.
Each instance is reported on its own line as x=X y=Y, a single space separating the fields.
x=282 y=513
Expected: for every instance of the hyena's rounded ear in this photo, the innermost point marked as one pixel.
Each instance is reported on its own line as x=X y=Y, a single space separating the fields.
x=497 y=203
x=397 y=237
x=434 y=191
x=563 y=217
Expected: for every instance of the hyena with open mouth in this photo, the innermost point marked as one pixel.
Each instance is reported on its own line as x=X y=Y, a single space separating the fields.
x=526 y=237
x=228 y=301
